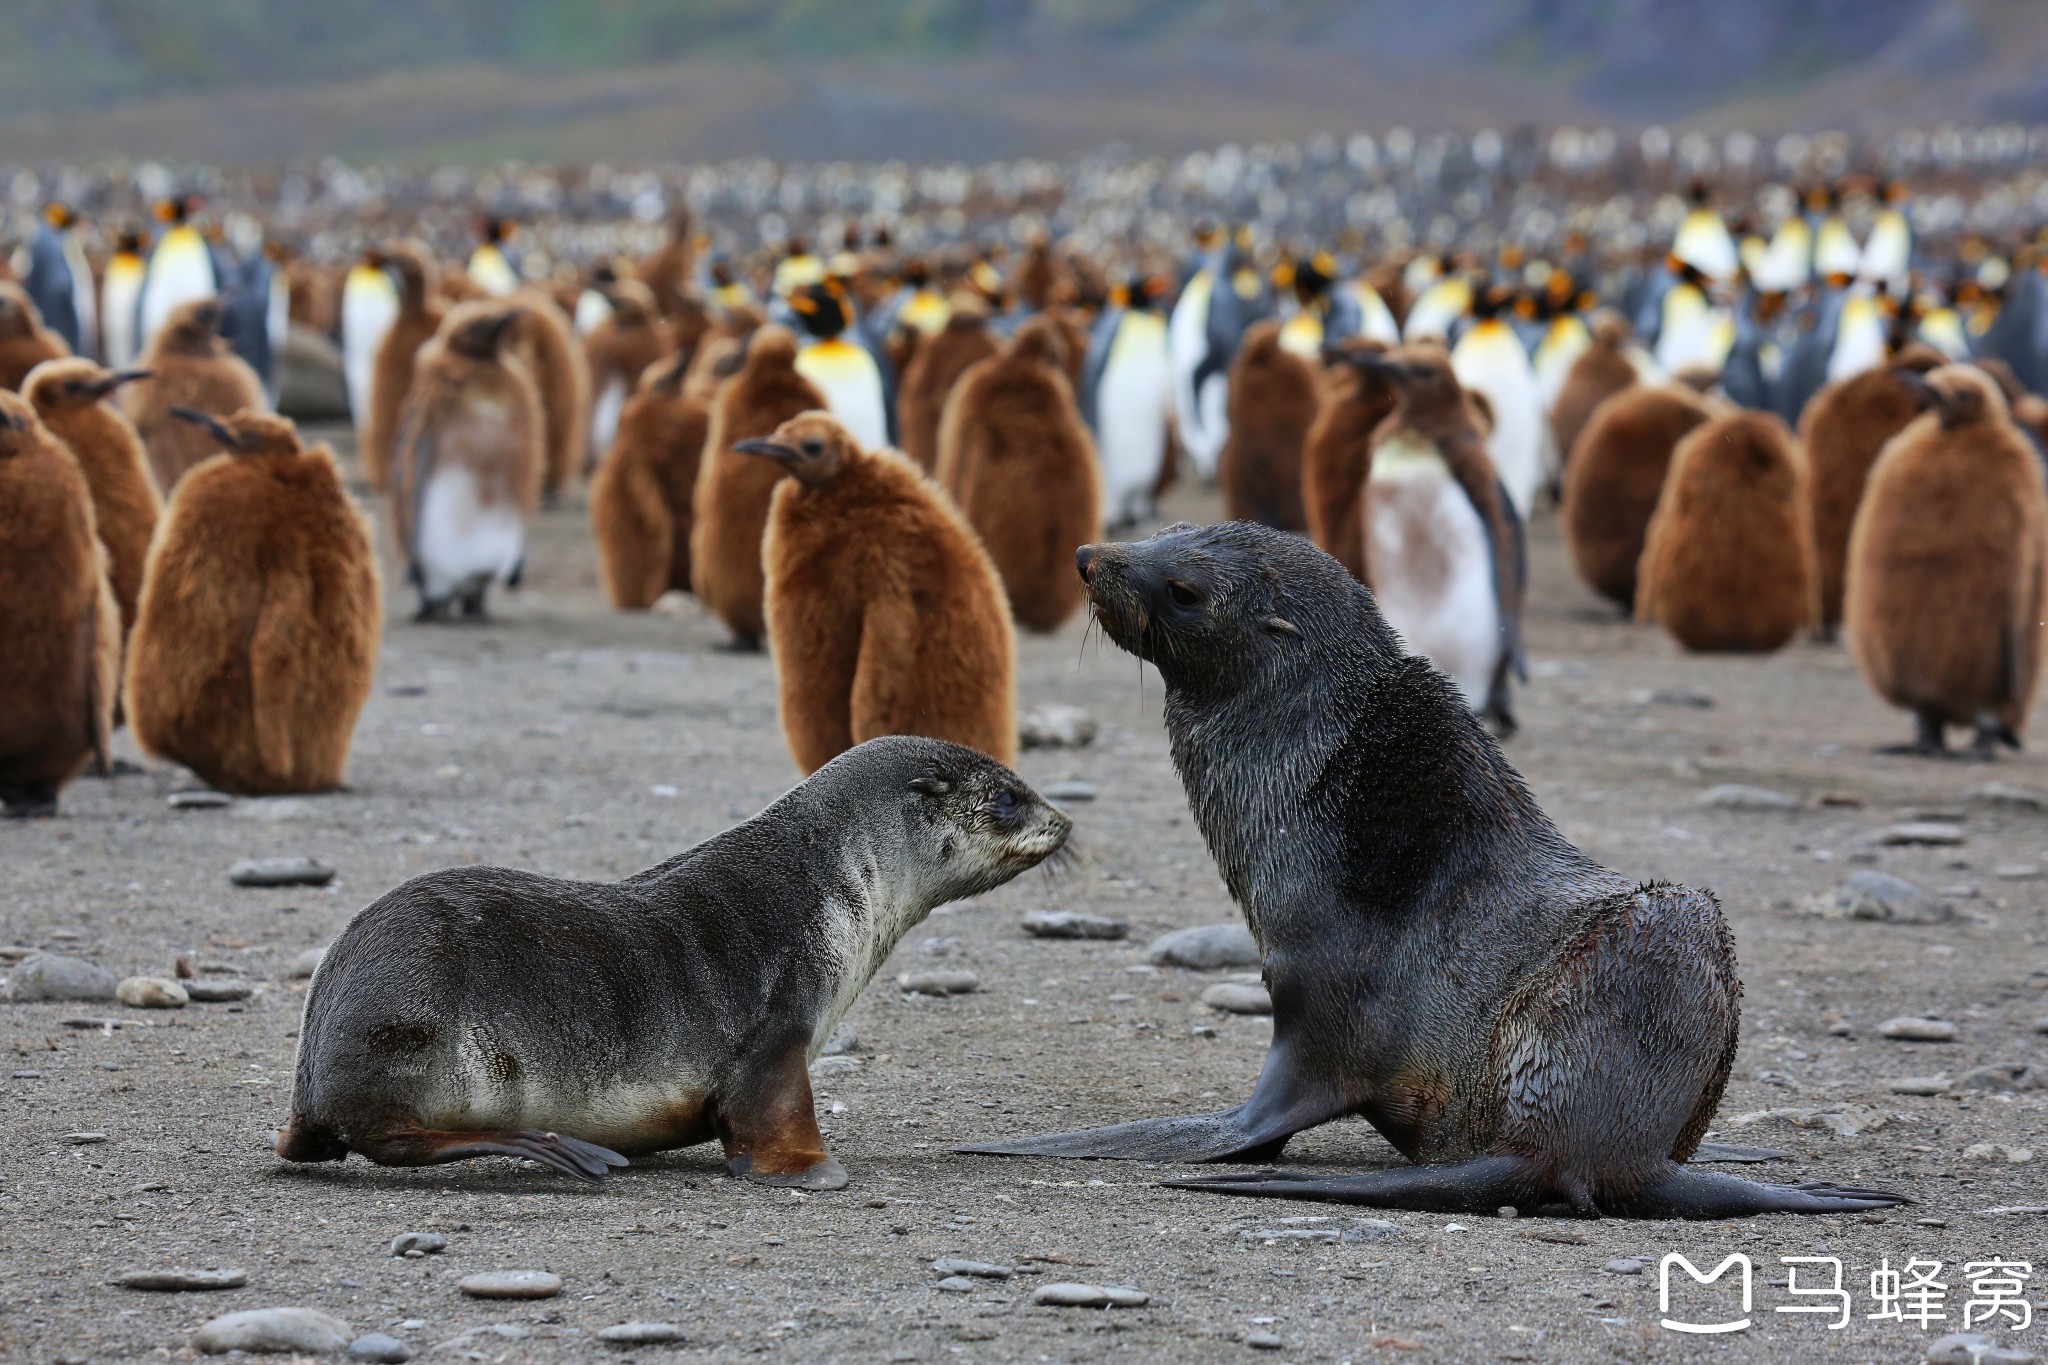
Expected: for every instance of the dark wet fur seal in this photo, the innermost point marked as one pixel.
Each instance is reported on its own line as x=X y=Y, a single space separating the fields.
x=482 y=1011
x=1525 y=1025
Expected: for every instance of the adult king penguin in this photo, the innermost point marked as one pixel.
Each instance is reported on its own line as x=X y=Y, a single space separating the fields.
x=369 y=306
x=181 y=268
x=1126 y=397
x=1491 y=361
x=60 y=281
x=120 y=298
x=1220 y=300
x=844 y=372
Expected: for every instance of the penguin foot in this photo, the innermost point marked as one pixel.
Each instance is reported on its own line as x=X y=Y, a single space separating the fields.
x=119 y=767
x=740 y=643
x=433 y=611
x=29 y=805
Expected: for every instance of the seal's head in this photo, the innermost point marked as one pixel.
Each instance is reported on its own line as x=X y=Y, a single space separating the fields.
x=1214 y=607
x=968 y=823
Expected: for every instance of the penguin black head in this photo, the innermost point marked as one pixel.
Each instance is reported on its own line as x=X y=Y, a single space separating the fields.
x=1313 y=277
x=822 y=309
x=177 y=209
x=496 y=230
x=128 y=243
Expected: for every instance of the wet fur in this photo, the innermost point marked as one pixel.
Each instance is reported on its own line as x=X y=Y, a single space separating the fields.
x=1728 y=562
x=929 y=378
x=641 y=495
x=1020 y=465
x=733 y=491
x=261 y=614
x=1272 y=404
x=1614 y=478
x=126 y=505
x=191 y=367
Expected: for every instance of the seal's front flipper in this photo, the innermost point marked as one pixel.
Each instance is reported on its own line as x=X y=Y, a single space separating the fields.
x=1711 y=1194
x=770 y=1130
x=1481 y=1185
x=1708 y=1152
x=1195 y=1137
x=418 y=1147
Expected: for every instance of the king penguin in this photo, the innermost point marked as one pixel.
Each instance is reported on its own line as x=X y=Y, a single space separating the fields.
x=491 y=267
x=369 y=305
x=181 y=267
x=1491 y=361
x=1127 y=399
x=845 y=373
x=60 y=281
x=120 y=296
x=1220 y=300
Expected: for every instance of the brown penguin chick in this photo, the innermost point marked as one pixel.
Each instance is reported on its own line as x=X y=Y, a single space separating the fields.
x=261 y=613
x=1020 y=464
x=617 y=352
x=24 y=342
x=665 y=271
x=886 y=615
x=1728 y=562
x=466 y=464
x=1601 y=371
x=935 y=366
x=730 y=509
x=546 y=343
x=641 y=495
x=1038 y=275
x=1337 y=453
x=1612 y=483
x=1844 y=427
x=190 y=366
x=720 y=352
x=1272 y=405
x=69 y=396
x=61 y=668
x=1946 y=558
x=420 y=311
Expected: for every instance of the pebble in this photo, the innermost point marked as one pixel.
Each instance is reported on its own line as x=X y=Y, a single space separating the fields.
x=1974 y=1348
x=981 y=1270
x=1205 y=947
x=2004 y=1076
x=1057 y=727
x=85 y=1139
x=1908 y=1029
x=1998 y=1153
x=1074 y=790
x=1919 y=1085
x=1675 y=696
x=377 y=1346
x=1849 y=1121
x=218 y=990
x=2041 y=1024
x=1072 y=924
x=199 y=800
x=1624 y=1265
x=512 y=1284
x=1233 y=997
x=955 y=1284
x=306 y=963
x=48 y=976
x=2005 y=794
x=280 y=872
x=406 y=689
x=272 y=1330
x=840 y=1065
x=1873 y=895
x=641 y=1333
x=152 y=993
x=2017 y=872
x=841 y=1041
x=1262 y=1341
x=426 y=1243
x=1739 y=796
x=173 y=1280
x=939 y=982
x=1090 y=1296
x=1934 y=833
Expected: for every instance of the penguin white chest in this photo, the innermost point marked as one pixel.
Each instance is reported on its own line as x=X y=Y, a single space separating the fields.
x=1431 y=565
x=852 y=386
x=1131 y=411
x=604 y=417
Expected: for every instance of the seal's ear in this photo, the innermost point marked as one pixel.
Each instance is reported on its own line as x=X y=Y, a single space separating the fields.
x=931 y=785
x=1280 y=625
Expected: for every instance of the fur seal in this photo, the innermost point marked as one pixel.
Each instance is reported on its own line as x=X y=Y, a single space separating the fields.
x=1525 y=1025
x=482 y=1011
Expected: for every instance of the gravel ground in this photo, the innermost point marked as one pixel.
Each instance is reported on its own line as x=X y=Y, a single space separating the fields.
x=583 y=743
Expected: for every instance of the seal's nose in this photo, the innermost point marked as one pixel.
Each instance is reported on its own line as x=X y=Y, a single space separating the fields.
x=1084 y=560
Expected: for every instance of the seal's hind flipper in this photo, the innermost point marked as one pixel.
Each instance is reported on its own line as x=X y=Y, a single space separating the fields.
x=1728 y=1151
x=1194 y=1137
x=1480 y=1185
x=417 y=1147
x=1688 y=1193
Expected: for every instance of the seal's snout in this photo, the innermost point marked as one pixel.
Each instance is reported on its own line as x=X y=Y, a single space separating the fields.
x=1084 y=560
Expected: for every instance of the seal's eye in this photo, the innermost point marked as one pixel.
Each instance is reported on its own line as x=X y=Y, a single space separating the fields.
x=1183 y=595
x=1007 y=804
x=814 y=448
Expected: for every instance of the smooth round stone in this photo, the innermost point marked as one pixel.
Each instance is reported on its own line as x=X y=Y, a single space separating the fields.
x=1205 y=947
x=1918 y=1085
x=2005 y=794
x=49 y=976
x=219 y=989
x=1234 y=997
x=1075 y=790
x=1998 y=1153
x=1065 y=1295
x=979 y=1269
x=426 y=1243
x=840 y=1065
x=1262 y=1341
x=2004 y=1076
x=172 y=1281
x=1875 y=895
x=955 y=982
x=641 y=1333
x=1624 y=1265
x=1974 y=1348
x=1930 y=833
x=512 y=1284
x=85 y=1139
x=376 y=1346
x=1675 y=696
x=199 y=800
x=841 y=1041
x=152 y=993
x=1057 y=727
x=1740 y=796
x=1908 y=1029
x=306 y=963
x=271 y=1331
x=1072 y=924
x=955 y=1284
x=280 y=872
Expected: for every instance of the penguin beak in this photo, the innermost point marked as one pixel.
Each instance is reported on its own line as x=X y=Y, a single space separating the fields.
x=769 y=450
x=208 y=421
x=10 y=421
x=115 y=381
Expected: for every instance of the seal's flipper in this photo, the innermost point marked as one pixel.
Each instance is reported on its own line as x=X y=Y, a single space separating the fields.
x=1194 y=1137
x=419 y=1147
x=769 y=1128
x=827 y=1174
x=1728 y=1151
x=1480 y=1185
x=1711 y=1194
